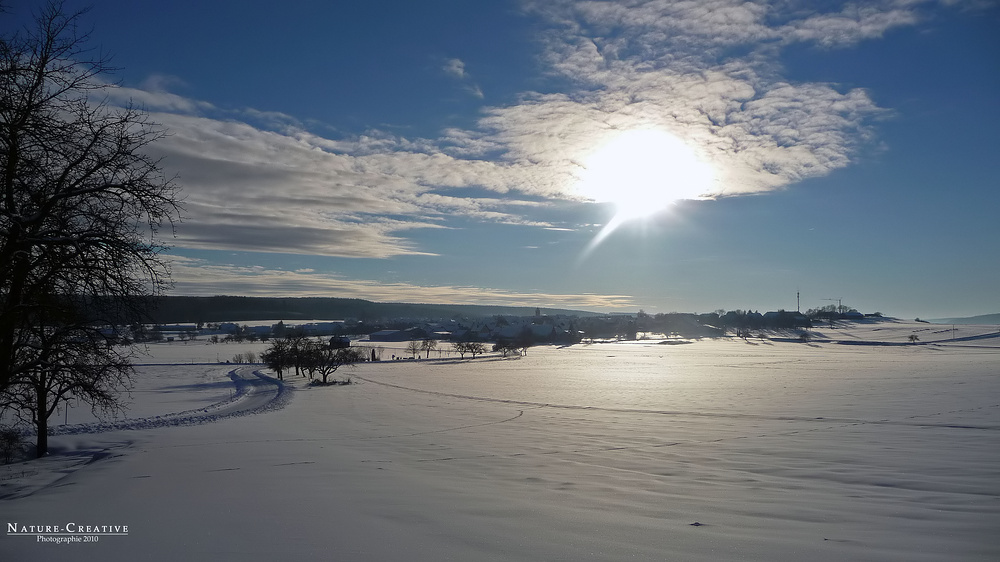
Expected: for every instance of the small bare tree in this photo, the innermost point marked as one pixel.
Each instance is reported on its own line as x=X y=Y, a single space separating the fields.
x=93 y=373
x=278 y=356
x=413 y=348
x=475 y=348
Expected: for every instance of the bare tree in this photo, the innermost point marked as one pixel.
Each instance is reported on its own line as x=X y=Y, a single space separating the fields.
x=81 y=209
x=278 y=356
x=506 y=347
x=298 y=346
x=413 y=348
x=332 y=359
x=428 y=345
x=475 y=348
x=309 y=356
x=93 y=373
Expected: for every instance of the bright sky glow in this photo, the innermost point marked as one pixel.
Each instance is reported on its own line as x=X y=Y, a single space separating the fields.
x=642 y=172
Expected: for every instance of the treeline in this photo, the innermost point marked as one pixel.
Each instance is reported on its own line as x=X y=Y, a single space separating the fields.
x=178 y=309
x=718 y=323
x=681 y=324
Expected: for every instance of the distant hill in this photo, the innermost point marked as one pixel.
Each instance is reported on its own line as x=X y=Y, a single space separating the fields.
x=178 y=309
x=981 y=319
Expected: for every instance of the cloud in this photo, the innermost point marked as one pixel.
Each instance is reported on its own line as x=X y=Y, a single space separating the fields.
x=290 y=191
x=653 y=29
x=851 y=25
x=200 y=278
x=707 y=71
x=153 y=96
x=456 y=69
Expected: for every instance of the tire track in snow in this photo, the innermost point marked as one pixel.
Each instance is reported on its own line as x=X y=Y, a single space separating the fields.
x=730 y=415
x=447 y=429
x=255 y=393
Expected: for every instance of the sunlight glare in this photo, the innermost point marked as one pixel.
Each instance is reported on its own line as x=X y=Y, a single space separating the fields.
x=642 y=172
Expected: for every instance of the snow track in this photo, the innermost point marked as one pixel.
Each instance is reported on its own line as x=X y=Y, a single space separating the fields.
x=255 y=393
x=909 y=421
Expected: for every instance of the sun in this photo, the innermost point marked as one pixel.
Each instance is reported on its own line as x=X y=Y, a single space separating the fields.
x=642 y=172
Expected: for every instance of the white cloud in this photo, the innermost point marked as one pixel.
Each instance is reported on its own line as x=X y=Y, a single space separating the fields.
x=455 y=67
x=675 y=65
x=153 y=98
x=849 y=26
x=294 y=192
x=652 y=29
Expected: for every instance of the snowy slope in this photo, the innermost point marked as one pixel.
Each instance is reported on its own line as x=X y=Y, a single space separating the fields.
x=718 y=450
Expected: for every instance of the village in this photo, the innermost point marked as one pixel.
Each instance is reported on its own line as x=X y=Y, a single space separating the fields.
x=531 y=330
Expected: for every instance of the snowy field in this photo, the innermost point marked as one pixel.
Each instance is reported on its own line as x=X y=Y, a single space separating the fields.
x=710 y=450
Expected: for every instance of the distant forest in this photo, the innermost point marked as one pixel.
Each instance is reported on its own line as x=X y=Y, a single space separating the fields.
x=981 y=319
x=244 y=309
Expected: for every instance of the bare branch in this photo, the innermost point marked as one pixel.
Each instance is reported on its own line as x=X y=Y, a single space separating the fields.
x=81 y=209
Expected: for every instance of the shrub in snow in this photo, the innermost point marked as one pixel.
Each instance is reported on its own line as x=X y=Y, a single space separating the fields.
x=11 y=443
x=331 y=382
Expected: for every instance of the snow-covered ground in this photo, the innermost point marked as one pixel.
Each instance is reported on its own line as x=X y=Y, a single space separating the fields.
x=715 y=450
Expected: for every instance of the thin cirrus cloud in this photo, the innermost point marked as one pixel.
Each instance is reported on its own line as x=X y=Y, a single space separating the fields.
x=456 y=69
x=705 y=71
x=200 y=278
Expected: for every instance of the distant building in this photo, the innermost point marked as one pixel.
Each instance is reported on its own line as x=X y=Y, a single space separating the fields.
x=387 y=335
x=398 y=335
x=177 y=328
x=784 y=319
x=259 y=330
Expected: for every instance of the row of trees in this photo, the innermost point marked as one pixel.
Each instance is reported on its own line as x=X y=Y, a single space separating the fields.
x=309 y=357
x=245 y=357
x=510 y=347
x=82 y=208
x=426 y=346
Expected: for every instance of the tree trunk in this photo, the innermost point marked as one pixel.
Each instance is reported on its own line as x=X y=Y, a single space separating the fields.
x=41 y=420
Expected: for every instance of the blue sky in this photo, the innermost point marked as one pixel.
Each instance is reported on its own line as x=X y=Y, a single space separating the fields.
x=444 y=151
